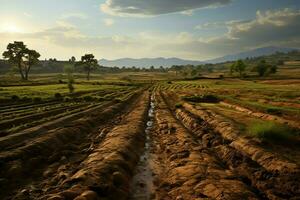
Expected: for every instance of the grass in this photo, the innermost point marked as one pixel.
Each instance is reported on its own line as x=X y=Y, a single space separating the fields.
x=49 y=91
x=270 y=131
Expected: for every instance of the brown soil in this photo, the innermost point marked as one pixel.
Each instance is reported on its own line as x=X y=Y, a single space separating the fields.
x=124 y=151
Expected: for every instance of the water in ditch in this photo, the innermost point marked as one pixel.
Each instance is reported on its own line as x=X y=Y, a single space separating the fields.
x=142 y=187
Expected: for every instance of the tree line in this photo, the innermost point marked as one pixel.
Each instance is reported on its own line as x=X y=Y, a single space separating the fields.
x=24 y=58
x=19 y=55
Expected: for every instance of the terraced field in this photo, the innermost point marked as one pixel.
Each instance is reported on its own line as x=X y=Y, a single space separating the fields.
x=177 y=140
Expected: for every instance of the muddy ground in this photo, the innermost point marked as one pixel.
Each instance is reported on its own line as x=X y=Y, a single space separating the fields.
x=145 y=148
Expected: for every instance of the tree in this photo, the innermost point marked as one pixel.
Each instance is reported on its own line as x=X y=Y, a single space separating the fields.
x=239 y=66
x=264 y=69
x=72 y=59
x=89 y=63
x=31 y=58
x=18 y=54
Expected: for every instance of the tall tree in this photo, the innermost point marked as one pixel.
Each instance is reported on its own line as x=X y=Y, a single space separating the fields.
x=18 y=54
x=89 y=63
x=15 y=54
x=31 y=58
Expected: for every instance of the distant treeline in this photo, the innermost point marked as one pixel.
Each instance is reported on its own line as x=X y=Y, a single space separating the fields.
x=55 y=66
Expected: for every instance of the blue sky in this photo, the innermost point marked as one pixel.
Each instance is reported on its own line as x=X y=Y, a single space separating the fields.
x=195 y=29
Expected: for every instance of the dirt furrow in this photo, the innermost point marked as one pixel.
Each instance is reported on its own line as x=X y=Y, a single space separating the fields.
x=270 y=175
x=107 y=171
x=191 y=170
x=33 y=158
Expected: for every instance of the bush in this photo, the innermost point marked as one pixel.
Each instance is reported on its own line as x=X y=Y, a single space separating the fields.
x=15 y=98
x=57 y=95
x=208 y=98
x=270 y=131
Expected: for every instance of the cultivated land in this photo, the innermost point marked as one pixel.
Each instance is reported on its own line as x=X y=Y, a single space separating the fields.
x=150 y=136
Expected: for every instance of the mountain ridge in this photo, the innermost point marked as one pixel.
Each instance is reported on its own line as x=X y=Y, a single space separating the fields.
x=168 y=62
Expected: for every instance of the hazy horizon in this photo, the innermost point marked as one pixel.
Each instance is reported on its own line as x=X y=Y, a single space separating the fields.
x=113 y=29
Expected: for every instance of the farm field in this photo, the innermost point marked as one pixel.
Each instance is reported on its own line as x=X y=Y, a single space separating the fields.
x=150 y=139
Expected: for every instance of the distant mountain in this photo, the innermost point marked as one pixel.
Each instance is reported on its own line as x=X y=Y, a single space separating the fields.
x=147 y=62
x=251 y=54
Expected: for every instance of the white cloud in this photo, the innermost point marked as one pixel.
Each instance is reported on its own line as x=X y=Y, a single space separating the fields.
x=156 y=7
x=279 y=28
x=108 y=22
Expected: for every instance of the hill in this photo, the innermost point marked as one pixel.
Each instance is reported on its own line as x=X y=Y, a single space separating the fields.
x=251 y=54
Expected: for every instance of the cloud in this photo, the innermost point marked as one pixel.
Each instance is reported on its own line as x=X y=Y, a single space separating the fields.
x=267 y=27
x=108 y=22
x=276 y=28
x=156 y=7
x=211 y=25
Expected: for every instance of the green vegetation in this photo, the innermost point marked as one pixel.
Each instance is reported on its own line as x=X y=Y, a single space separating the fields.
x=69 y=71
x=18 y=54
x=264 y=69
x=270 y=131
x=239 y=66
x=89 y=64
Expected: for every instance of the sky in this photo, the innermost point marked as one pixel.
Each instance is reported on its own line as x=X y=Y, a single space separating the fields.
x=111 y=29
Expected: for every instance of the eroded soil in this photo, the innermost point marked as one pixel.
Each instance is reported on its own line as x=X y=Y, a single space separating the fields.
x=145 y=148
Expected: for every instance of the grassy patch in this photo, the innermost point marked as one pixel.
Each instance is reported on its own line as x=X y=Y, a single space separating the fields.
x=270 y=131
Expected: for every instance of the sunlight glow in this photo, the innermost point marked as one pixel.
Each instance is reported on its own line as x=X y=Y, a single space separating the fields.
x=11 y=27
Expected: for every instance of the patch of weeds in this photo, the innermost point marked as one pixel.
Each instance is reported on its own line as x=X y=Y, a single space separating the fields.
x=271 y=131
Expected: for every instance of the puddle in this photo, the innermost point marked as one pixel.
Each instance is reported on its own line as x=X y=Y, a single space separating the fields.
x=142 y=183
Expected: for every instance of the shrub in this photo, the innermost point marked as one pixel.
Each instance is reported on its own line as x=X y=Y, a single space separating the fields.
x=15 y=98
x=57 y=95
x=270 y=131
x=208 y=98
